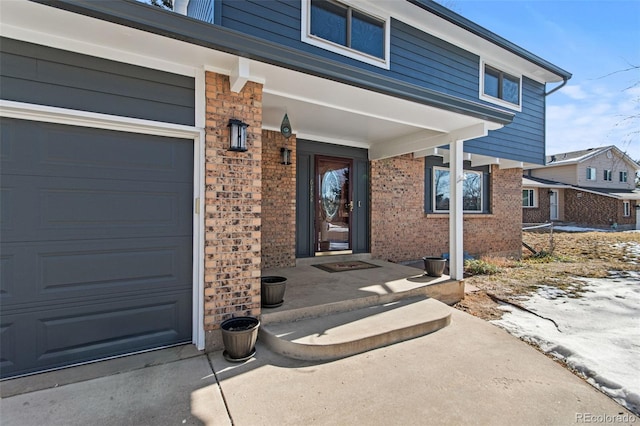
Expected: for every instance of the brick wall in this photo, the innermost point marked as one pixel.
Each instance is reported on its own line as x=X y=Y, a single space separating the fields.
x=540 y=214
x=278 y=202
x=400 y=230
x=233 y=200
x=596 y=210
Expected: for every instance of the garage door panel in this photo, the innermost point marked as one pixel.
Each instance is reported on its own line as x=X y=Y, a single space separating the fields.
x=69 y=208
x=68 y=335
x=40 y=274
x=106 y=328
x=48 y=149
x=9 y=265
x=8 y=349
x=96 y=253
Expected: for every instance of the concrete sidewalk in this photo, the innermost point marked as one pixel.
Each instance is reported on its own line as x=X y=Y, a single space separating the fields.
x=468 y=373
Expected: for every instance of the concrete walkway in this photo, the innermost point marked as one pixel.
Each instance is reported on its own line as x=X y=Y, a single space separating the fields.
x=468 y=373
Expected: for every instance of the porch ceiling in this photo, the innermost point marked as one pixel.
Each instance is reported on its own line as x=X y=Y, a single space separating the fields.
x=328 y=111
x=319 y=108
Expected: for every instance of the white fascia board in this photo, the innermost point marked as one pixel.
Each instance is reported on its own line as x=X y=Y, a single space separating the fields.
x=57 y=115
x=424 y=141
x=98 y=50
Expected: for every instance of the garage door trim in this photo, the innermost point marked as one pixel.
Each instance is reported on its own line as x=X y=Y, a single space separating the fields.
x=41 y=113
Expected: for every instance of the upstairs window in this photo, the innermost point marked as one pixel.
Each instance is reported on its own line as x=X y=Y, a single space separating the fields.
x=591 y=173
x=345 y=30
x=623 y=176
x=607 y=175
x=528 y=198
x=500 y=87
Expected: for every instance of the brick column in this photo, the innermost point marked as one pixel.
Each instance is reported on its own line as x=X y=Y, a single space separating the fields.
x=278 y=202
x=233 y=201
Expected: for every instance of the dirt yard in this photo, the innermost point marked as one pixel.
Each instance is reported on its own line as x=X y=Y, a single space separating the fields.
x=589 y=254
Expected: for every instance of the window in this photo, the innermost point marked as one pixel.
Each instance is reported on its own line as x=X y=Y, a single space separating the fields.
x=471 y=190
x=627 y=208
x=591 y=173
x=623 y=176
x=528 y=198
x=607 y=175
x=345 y=30
x=500 y=87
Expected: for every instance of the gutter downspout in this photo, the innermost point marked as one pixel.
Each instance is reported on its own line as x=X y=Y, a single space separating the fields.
x=564 y=82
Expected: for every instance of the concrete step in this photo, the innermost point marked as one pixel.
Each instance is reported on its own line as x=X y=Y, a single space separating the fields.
x=347 y=333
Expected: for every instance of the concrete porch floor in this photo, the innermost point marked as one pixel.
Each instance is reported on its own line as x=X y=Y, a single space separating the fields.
x=330 y=315
x=314 y=290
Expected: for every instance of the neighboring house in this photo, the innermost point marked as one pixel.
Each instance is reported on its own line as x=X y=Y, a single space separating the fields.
x=130 y=222
x=593 y=187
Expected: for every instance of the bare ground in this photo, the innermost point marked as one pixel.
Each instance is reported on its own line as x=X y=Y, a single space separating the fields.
x=561 y=260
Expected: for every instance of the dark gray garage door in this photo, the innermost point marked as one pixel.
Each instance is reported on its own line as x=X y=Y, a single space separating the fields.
x=96 y=244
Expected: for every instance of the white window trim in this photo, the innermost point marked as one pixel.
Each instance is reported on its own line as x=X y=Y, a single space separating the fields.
x=433 y=191
x=535 y=198
x=48 y=114
x=592 y=176
x=626 y=206
x=499 y=101
x=307 y=37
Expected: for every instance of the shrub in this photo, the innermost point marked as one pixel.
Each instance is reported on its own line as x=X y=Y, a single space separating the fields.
x=480 y=267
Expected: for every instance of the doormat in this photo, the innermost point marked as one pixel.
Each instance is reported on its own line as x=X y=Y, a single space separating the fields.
x=353 y=265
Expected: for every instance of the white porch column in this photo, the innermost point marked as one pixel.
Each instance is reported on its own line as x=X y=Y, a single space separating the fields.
x=456 y=179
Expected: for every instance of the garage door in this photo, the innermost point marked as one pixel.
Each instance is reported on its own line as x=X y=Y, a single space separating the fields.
x=96 y=244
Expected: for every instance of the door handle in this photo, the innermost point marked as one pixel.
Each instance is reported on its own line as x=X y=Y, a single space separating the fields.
x=349 y=206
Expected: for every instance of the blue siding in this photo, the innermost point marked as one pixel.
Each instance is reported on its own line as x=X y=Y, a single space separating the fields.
x=424 y=60
x=524 y=138
x=201 y=9
x=417 y=58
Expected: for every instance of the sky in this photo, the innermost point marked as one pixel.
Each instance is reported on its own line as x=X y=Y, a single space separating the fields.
x=595 y=40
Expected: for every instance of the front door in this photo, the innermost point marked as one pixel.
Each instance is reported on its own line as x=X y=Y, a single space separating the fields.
x=334 y=204
x=553 y=207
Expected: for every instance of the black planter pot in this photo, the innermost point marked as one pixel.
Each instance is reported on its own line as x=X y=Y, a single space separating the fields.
x=434 y=266
x=272 y=291
x=239 y=336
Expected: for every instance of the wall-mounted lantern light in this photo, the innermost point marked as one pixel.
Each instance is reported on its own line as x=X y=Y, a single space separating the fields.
x=550 y=192
x=285 y=156
x=237 y=135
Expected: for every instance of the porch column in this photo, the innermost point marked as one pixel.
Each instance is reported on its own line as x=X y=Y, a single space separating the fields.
x=456 y=180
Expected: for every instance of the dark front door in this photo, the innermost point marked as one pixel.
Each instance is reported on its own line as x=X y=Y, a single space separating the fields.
x=334 y=204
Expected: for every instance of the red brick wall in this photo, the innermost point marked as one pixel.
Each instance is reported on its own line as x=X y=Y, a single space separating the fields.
x=233 y=200
x=596 y=210
x=540 y=214
x=278 y=202
x=400 y=230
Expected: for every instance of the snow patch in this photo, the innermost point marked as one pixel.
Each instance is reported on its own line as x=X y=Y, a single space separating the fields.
x=631 y=251
x=598 y=333
x=568 y=228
